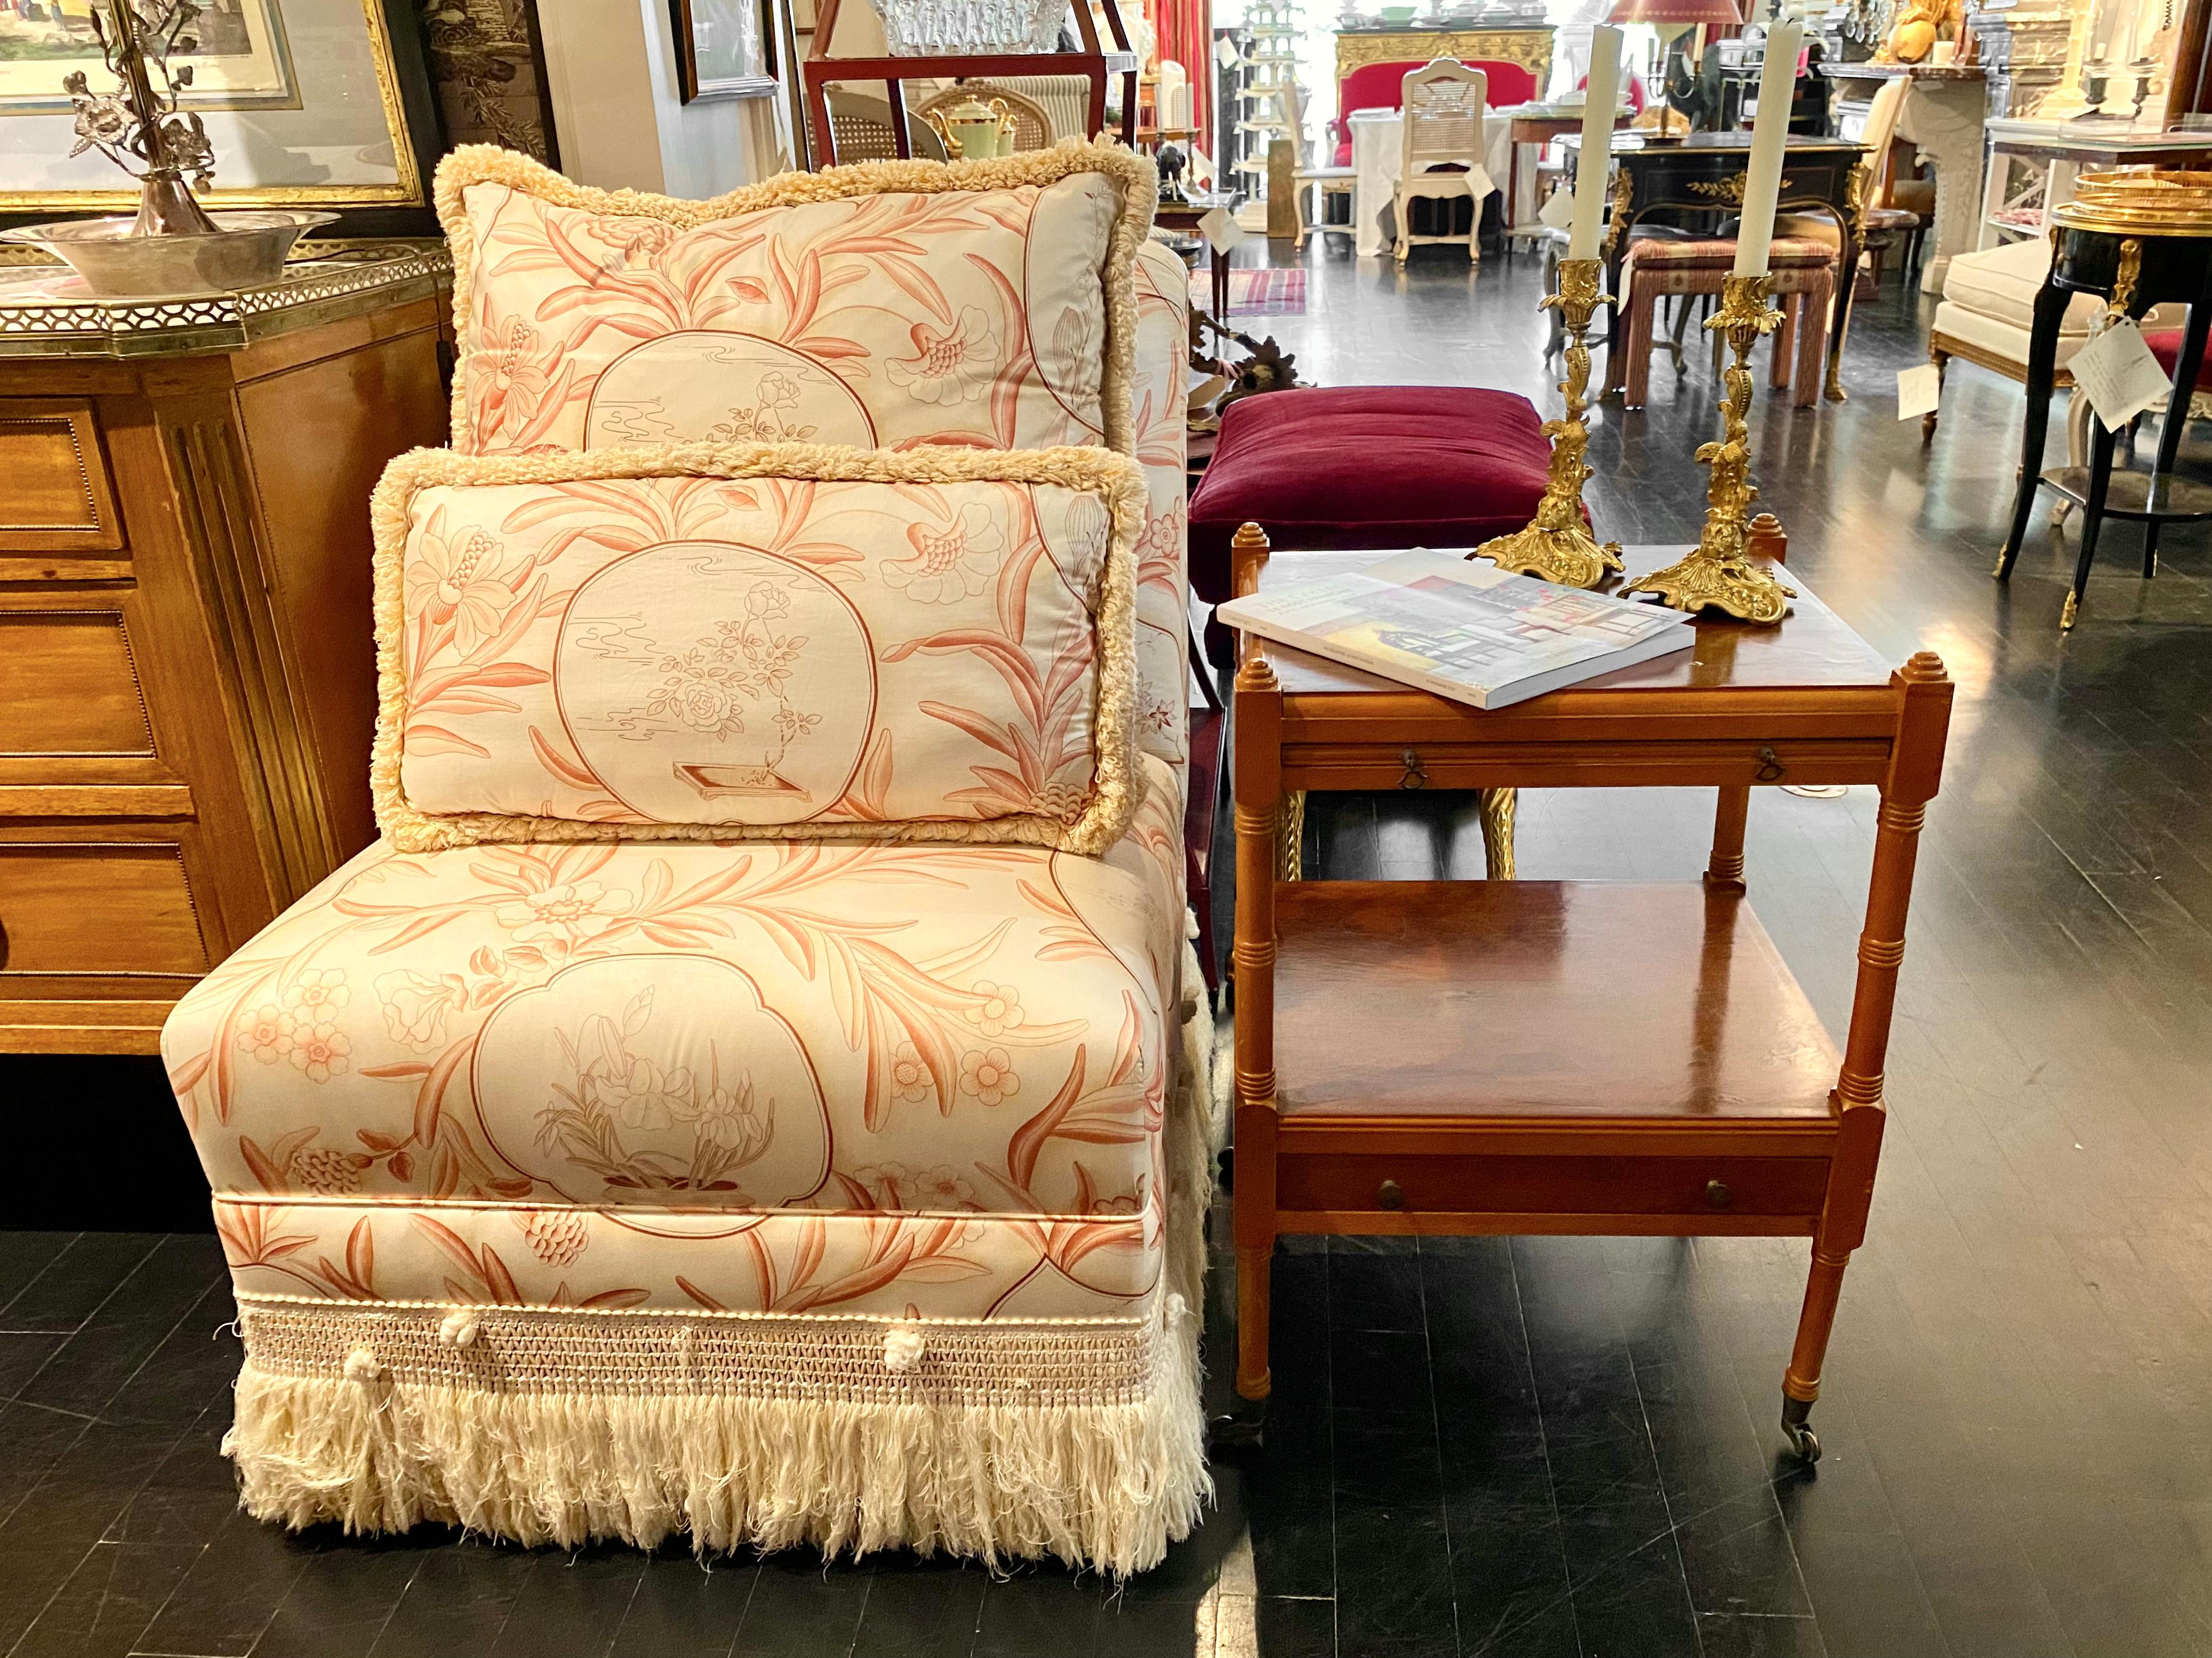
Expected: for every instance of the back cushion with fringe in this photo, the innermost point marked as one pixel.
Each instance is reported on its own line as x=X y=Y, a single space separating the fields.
x=880 y=305
x=756 y=640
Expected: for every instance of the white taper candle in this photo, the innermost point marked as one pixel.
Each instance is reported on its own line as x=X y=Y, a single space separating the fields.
x=1769 y=132
x=1594 y=160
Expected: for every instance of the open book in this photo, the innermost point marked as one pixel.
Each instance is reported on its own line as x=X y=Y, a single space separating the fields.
x=1467 y=631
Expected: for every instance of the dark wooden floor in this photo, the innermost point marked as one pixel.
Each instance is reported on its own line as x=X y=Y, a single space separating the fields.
x=1527 y=1447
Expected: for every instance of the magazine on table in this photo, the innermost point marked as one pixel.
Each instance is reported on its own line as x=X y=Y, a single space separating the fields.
x=1463 y=629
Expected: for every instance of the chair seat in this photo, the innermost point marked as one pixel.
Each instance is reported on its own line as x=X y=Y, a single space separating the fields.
x=1368 y=466
x=2166 y=345
x=550 y=1072
x=1720 y=252
x=1322 y=175
x=1892 y=219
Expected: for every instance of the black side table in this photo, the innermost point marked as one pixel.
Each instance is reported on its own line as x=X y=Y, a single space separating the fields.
x=2133 y=270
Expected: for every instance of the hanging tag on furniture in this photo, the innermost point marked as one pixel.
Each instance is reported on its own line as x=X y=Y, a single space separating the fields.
x=1919 y=390
x=2118 y=375
x=1559 y=208
x=1220 y=229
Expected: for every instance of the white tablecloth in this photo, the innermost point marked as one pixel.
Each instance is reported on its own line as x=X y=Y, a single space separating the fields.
x=1378 y=143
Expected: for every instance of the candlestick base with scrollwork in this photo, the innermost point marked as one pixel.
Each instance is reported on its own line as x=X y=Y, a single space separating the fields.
x=1557 y=545
x=1719 y=573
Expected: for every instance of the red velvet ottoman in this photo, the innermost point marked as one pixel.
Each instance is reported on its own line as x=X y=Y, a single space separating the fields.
x=1379 y=466
x=1367 y=467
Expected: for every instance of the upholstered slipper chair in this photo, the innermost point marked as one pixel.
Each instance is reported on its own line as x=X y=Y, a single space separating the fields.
x=754 y=1089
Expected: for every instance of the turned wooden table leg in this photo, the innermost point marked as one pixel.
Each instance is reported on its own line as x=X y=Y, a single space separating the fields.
x=1497 y=809
x=1914 y=770
x=1724 y=869
x=1259 y=816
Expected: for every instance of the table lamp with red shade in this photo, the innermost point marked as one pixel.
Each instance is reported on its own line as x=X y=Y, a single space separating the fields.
x=1671 y=16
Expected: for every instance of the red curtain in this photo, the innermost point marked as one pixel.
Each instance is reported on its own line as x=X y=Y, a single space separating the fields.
x=1185 y=29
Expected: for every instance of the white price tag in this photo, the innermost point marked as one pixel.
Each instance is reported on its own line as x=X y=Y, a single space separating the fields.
x=2118 y=375
x=1919 y=390
x=1222 y=230
x=1225 y=52
x=1559 y=208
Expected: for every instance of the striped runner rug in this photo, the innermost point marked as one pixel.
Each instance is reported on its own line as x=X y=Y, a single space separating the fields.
x=1264 y=293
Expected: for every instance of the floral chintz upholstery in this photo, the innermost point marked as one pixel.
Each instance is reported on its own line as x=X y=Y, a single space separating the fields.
x=785 y=1076
x=756 y=1088
x=754 y=639
x=1012 y=304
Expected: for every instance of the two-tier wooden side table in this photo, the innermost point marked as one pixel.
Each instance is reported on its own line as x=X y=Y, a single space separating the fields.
x=1587 y=1057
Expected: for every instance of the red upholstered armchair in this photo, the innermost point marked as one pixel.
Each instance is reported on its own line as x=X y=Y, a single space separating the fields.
x=1379 y=86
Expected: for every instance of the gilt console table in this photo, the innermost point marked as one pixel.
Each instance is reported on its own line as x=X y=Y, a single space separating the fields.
x=187 y=682
x=1565 y=1056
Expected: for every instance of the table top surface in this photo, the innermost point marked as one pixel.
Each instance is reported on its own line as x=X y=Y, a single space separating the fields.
x=1632 y=146
x=1812 y=649
x=2054 y=135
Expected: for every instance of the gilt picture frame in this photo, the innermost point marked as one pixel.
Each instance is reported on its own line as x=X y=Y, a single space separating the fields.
x=724 y=49
x=309 y=104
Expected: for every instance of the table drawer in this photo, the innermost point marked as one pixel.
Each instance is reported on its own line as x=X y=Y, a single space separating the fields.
x=115 y=908
x=56 y=494
x=1386 y=1184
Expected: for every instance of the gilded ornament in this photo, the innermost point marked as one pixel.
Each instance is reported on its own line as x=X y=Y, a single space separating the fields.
x=1719 y=573
x=1557 y=545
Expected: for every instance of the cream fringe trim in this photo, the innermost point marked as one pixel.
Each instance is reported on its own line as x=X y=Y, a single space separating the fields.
x=475 y=164
x=1107 y=1485
x=1115 y=478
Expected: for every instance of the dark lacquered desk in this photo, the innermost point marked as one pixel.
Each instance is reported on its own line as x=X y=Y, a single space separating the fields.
x=1705 y=173
x=1587 y=1057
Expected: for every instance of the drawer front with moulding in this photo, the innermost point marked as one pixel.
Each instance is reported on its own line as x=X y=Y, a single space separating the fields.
x=56 y=494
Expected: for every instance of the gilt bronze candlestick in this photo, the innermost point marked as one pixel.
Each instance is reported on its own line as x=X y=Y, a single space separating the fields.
x=1719 y=573
x=1557 y=545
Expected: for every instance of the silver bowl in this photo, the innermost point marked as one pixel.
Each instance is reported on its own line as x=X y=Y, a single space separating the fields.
x=247 y=250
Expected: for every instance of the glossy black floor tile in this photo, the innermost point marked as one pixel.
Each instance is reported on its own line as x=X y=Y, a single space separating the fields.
x=1537 y=1447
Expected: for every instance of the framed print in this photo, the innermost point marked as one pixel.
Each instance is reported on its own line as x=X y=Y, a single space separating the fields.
x=308 y=103
x=724 y=49
x=239 y=59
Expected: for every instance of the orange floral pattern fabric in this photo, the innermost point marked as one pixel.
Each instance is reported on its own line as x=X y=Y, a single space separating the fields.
x=771 y=650
x=877 y=320
x=885 y=316
x=887 y=1075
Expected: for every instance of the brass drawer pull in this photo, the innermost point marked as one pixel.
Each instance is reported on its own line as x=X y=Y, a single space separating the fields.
x=1415 y=778
x=1717 y=1194
x=1388 y=1195
x=1770 y=767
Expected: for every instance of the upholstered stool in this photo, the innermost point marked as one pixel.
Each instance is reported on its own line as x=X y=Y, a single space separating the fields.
x=1802 y=276
x=1379 y=466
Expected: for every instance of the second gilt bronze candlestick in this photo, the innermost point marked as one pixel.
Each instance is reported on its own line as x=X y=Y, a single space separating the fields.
x=1719 y=573
x=1557 y=545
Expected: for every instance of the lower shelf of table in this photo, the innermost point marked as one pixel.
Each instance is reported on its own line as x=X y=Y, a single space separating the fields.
x=1543 y=1056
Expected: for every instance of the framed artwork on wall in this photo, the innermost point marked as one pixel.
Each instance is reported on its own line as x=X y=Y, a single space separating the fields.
x=308 y=103
x=724 y=49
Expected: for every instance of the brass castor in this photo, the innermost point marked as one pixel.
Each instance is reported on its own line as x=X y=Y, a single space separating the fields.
x=1243 y=1429
x=1802 y=1439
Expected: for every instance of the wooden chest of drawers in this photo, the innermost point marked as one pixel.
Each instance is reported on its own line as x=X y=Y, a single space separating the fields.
x=188 y=681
